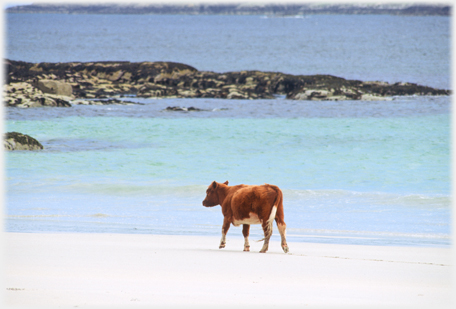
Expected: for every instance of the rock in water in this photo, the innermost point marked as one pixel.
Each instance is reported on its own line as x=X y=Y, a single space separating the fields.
x=184 y=109
x=19 y=141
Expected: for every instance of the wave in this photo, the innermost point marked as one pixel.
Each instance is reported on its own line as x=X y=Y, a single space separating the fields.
x=379 y=238
x=149 y=189
x=297 y=232
x=163 y=188
x=97 y=215
x=373 y=198
x=284 y=16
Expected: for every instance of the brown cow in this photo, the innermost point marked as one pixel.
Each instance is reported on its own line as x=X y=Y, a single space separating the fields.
x=243 y=204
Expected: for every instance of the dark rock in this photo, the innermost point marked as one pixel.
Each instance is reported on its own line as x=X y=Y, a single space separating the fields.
x=184 y=109
x=19 y=141
x=110 y=101
x=56 y=102
x=116 y=102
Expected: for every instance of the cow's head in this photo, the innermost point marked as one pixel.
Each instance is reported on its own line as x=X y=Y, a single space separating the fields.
x=212 y=194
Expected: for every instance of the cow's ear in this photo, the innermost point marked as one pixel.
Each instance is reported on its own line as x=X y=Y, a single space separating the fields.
x=214 y=184
x=226 y=182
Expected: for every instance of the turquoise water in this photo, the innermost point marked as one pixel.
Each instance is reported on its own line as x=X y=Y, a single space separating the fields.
x=357 y=172
x=394 y=154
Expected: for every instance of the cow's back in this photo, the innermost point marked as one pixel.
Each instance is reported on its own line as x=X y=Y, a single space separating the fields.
x=254 y=200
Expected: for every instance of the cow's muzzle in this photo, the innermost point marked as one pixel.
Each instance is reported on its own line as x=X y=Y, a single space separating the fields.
x=207 y=204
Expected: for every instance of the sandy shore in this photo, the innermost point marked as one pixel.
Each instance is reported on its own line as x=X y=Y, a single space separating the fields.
x=83 y=270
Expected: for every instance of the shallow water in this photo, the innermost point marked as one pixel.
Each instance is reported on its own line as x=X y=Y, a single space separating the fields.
x=365 y=179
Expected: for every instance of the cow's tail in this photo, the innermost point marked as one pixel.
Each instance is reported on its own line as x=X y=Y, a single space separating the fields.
x=270 y=221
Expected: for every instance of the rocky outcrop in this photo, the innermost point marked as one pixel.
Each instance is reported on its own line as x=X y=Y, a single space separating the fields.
x=24 y=94
x=19 y=141
x=42 y=84
x=327 y=87
x=96 y=79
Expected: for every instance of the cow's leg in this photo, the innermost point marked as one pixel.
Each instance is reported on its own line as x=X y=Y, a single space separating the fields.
x=266 y=242
x=225 y=228
x=245 y=232
x=267 y=228
x=283 y=232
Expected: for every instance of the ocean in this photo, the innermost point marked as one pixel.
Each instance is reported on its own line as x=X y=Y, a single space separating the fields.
x=352 y=172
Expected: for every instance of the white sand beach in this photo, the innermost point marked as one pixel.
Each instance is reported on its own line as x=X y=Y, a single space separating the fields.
x=85 y=270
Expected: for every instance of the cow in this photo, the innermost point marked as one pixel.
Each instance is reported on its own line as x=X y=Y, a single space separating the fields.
x=246 y=205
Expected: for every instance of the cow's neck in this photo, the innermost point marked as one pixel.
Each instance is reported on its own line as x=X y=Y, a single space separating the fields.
x=222 y=193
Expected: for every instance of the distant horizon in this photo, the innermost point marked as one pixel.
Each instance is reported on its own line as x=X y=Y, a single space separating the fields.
x=10 y=5
x=231 y=8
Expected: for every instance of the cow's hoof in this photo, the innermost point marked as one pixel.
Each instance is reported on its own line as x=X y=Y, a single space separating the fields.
x=263 y=251
x=285 y=249
x=222 y=246
x=247 y=249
